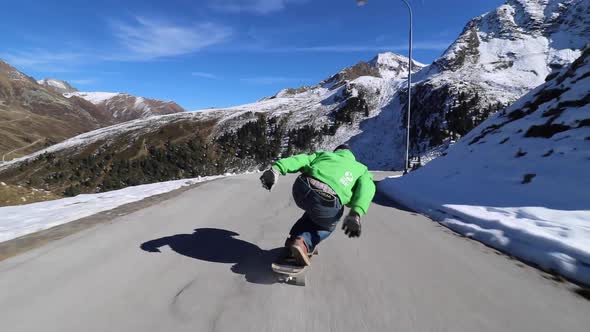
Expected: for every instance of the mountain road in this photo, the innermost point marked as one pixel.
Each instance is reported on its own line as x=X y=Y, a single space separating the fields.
x=200 y=261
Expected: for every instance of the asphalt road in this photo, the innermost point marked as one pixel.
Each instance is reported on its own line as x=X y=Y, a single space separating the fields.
x=212 y=273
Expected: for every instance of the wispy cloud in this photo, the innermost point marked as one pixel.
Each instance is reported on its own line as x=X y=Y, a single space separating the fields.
x=263 y=80
x=205 y=75
x=252 y=6
x=147 y=39
x=139 y=40
x=44 y=60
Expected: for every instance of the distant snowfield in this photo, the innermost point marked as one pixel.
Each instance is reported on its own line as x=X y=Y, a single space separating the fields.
x=93 y=97
x=16 y=221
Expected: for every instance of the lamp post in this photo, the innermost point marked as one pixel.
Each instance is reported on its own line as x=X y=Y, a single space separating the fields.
x=364 y=2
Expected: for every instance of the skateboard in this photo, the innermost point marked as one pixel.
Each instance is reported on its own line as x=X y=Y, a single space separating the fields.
x=288 y=271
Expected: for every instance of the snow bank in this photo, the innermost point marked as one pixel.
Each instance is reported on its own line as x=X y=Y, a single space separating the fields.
x=16 y=221
x=556 y=240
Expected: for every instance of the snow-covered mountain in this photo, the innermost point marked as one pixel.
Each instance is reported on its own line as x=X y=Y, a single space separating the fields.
x=124 y=107
x=499 y=56
x=519 y=181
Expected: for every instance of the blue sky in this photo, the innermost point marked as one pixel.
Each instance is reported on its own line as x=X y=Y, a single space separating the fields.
x=216 y=53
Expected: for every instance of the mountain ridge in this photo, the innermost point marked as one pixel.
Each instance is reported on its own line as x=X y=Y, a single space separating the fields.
x=33 y=116
x=56 y=85
x=36 y=114
x=211 y=141
x=125 y=107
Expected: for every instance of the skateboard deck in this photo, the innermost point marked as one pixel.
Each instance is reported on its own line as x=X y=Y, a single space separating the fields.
x=288 y=271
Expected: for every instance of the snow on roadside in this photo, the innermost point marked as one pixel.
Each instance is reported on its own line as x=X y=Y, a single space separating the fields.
x=16 y=221
x=556 y=240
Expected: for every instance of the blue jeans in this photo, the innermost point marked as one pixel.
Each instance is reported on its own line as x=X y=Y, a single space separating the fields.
x=321 y=214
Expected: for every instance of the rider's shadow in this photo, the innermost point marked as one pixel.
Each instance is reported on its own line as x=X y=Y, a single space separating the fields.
x=221 y=246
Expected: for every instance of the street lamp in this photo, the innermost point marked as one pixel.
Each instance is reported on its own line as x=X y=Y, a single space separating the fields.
x=364 y=2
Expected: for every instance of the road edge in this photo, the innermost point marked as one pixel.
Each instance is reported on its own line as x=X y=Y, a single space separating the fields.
x=25 y=243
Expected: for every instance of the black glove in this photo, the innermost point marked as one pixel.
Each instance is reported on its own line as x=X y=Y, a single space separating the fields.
x=269 y=178
x=352 y=225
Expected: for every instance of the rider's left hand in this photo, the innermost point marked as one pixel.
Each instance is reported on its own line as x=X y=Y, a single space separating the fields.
x=352 y=225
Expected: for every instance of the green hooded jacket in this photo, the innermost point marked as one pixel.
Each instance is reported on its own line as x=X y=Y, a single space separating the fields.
x=351 y=180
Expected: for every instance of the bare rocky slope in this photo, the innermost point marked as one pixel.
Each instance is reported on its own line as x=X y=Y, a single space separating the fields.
x=114 y=106
x=33 y=116
x=124 y=107
x=56 y=85
x=38 y=114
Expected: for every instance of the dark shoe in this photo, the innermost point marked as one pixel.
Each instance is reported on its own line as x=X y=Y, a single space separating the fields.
x=289 y=242
x=299 y=252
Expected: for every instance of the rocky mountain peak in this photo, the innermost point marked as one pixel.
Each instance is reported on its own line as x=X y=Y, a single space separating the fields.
x=393 y=65
x=516 y=18
x=56 y=85
x=125 y=107
x=519 y=27
x=384 y=65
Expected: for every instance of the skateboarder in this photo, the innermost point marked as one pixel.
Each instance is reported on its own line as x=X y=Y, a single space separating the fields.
x=328 y=181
